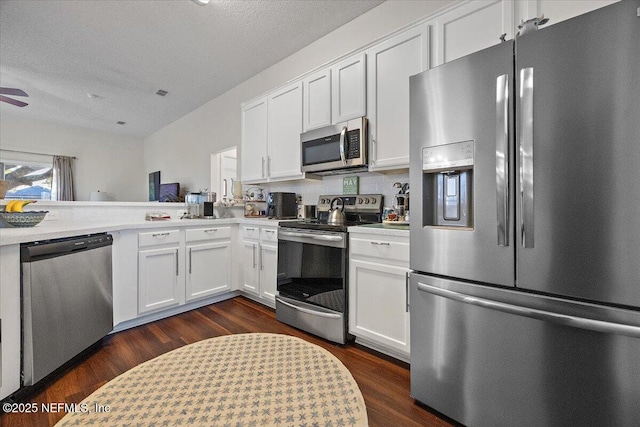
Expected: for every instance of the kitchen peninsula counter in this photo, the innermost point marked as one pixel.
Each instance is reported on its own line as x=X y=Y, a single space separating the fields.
x=67 y=219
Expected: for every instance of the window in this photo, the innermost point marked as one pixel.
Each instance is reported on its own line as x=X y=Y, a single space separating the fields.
x=28 y=180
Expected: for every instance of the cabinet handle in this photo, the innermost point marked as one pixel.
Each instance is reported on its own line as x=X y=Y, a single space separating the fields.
x=211 y=230
x=189 y=260
x=254 y=255
x=268 y=165
x=406 y=284
x=224 y=188
x=250 y=229
x=261 y=259
x=381 y=243
x=177 y=271
x=263 y=167
x=269 y=231
x=160 y=234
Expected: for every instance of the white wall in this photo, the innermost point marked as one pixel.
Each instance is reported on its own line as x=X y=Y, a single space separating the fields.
x=181 y=150
x=105 y=161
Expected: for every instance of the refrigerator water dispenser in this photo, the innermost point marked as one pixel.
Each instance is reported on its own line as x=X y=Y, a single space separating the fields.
x=448 y=185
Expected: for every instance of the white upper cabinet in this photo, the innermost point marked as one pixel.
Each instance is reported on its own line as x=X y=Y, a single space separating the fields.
x=556 y=10
x=284 y=128
x=271 y=128
x=348 y=89
x=471 y=27
x=316 y=93
x=389 y=66
x=254 y=141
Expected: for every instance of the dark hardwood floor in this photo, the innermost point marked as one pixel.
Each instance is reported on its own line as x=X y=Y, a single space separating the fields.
x=384 y=382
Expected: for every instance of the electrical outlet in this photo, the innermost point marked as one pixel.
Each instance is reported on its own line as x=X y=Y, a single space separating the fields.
x=51 y=216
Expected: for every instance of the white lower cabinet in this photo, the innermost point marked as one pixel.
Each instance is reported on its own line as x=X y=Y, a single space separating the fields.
x=378 y=299
x=176 y=266
x=10 y=314
x=260 y=262
x=268 y=271
x=208 y=263
x=160 y=276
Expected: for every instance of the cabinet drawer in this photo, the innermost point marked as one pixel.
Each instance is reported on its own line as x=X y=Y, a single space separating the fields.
x=251 y=232
x=384 y=247
x=158 y=237
x=269 y=234
x=208 y=233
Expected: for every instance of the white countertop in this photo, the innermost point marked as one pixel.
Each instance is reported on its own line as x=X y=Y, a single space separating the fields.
x=56 y=229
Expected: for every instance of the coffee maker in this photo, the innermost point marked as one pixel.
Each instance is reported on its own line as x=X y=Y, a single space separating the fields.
x=401 y=205
x=207 y=200
x=282 y=206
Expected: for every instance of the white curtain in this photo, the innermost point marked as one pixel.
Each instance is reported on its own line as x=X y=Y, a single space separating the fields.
x=63 y=178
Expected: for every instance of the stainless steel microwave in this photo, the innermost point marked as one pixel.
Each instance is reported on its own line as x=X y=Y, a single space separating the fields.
x=335 y=149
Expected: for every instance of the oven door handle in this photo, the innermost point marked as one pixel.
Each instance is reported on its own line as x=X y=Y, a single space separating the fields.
x=307 y=311
x=311 y=236
x=328 y=238
x=292 y=234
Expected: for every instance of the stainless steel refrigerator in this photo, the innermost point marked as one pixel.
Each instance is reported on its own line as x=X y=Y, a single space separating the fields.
x=525 y=232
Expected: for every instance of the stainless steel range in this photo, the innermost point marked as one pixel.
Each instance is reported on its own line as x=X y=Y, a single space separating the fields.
x=313 y=261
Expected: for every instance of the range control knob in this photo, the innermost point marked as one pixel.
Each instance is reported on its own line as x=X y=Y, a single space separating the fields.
x=373 y=200
x=366 y=201
x=359 y=200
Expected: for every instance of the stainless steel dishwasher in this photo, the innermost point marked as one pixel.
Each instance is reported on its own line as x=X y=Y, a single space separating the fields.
x=67 y=300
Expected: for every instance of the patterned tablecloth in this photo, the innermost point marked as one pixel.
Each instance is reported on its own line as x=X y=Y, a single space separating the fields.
x=234 y=380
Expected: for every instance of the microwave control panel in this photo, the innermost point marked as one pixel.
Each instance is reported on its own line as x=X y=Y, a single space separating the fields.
x=352 y=150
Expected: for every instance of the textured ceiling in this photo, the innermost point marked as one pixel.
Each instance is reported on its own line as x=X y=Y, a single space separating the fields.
x=122 y=51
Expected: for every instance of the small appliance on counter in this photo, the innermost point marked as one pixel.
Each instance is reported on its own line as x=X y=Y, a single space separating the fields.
x=306 y=211
x=200 y=205
x=207 y=201
x=282 y=206
x=193 y=205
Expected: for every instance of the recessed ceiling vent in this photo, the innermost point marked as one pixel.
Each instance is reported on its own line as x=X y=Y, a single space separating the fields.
x=161 y=92
x=121 y=122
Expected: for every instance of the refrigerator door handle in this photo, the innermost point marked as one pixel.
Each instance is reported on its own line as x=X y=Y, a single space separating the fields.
x=547 y=316
x=502 y=158
x=526 y=156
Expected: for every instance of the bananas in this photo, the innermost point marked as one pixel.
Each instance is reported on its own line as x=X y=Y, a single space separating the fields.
x=17 y=205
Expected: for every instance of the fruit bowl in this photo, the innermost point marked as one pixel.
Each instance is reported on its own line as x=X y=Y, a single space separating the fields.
x=22 y=219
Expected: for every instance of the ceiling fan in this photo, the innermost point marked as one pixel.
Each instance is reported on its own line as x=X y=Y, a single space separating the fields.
x=12 y=92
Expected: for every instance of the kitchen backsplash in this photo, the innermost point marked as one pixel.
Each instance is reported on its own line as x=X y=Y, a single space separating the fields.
x=370 y=183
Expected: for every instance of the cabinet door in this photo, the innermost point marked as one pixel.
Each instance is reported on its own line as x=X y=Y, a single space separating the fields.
x=254 y=141
x=250 y=270
x=389 y=66
x=285 y=125
x=316 y=96
x=378 y=304
x=208 y=269
x=268 y=272
x=159 y=279
x=472 y=27
x=348 y=89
